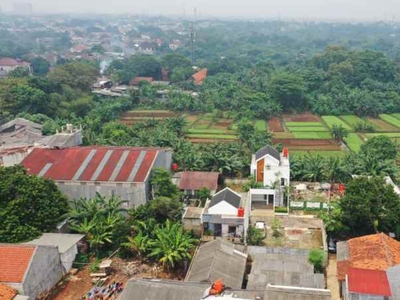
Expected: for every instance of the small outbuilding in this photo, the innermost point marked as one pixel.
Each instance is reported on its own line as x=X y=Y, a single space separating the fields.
x=31 y=270
x=67 y=244
x=191 y=182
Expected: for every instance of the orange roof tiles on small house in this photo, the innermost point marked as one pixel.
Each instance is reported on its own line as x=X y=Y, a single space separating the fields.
x=377 y=252
x=374 y=252
x=200 y=76
x=7 y=292
x=14 y=262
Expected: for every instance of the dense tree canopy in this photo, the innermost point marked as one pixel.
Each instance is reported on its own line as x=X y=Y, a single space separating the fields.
x=369 y=205
x=29 y=205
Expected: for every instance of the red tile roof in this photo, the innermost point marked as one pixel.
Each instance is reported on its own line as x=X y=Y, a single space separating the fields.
x=136 y=80
x=370 y=282
x=200 y=76
x=7 y=292
x=192 y=180
x=374 y=252
x=119 y=164
x=11 y=62
x=14 y=262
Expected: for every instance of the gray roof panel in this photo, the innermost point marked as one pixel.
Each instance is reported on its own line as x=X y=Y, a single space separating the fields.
x=228 y=196
x=268 y=150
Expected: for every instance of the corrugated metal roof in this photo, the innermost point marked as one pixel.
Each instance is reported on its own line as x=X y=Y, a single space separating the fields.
x=372 y=282
x=193 y=180
x=120 y=164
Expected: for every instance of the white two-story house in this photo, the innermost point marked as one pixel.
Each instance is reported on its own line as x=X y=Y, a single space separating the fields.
x=272 y=170
x=224 y=215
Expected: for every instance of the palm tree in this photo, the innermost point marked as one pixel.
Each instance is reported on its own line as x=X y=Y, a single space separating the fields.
x=171 y=244
x=334 y=169
x=339 y=132
x=313 y=167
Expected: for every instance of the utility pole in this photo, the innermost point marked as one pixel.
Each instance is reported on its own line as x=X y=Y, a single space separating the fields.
x=193 y=37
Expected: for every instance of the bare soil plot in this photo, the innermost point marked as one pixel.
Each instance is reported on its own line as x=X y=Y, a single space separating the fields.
x=300 y=118
x=382 y=126
x=297 y=144
x=76 y=286
x=275 y=125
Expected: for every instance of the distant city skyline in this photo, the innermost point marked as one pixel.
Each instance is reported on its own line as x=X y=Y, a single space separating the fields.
x=357 y=10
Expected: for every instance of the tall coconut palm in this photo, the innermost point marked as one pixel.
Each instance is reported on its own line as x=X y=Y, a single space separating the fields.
x=339 y=132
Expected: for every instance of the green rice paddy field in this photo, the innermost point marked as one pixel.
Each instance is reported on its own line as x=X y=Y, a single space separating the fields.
x=302 y=134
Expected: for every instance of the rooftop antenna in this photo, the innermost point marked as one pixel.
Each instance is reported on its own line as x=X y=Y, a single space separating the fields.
x=193 y=37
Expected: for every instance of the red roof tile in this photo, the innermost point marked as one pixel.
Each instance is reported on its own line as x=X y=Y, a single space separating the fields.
x=200 y=76
x=342 y=267
x=7 y=292
x=14 y=262
x=374 y=252
x=136 y=80
x=122 y=164
x=192 y=180
x=370 y=282
x=8 y=62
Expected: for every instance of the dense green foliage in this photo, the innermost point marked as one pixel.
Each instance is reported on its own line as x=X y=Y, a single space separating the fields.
x=370 y=205
x=29 y=205
x=317 y=257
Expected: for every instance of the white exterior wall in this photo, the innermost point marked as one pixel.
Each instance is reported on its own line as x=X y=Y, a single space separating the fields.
x=223 y=208
x=273 y=169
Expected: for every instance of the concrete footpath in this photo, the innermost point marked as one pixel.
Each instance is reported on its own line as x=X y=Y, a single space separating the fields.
x=331 y=274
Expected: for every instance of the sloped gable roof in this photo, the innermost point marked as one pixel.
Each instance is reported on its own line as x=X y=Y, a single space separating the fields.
x=374 y=252
x=372 y=282
x=7 y=292
x=200 y=76
x=194 y=180
x=268 y=150
x=14 y=262
x=218 y=260
x=228 y=196
x=112 y=164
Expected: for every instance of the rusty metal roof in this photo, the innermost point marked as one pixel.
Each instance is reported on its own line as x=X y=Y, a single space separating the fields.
x=117 y=164
x=194 y=180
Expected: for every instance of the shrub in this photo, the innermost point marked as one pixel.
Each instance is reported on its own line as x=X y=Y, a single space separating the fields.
x=281 y=210
x=364 y=127
x=254 y=236
x=316 y=257
x=276 y=226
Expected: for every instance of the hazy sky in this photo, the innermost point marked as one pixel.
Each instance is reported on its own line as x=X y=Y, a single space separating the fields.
x=304 y=9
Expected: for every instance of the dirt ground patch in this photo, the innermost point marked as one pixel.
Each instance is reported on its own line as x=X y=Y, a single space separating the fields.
x=298 y=144
x=74 y=287
x=295 y=238
x=300 y=118
x=275 y=125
